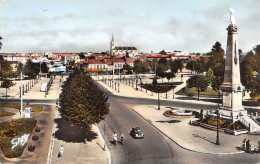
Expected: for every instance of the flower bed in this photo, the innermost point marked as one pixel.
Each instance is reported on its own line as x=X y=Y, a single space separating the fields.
x=11 y=130
x=178 y=114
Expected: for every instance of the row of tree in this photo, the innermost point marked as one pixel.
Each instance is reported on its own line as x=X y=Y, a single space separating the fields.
x=214 y=65
x=30 y=69
x=82 y=102
x=162 y=68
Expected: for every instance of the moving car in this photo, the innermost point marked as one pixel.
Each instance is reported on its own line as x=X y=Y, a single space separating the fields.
x=137 y=132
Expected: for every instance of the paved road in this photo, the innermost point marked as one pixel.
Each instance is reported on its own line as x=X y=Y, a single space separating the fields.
x=155 y=147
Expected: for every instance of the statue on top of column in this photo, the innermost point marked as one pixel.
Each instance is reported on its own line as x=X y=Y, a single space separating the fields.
x=232 y=16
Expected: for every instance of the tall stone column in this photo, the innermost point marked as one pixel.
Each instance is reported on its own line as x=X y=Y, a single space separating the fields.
x=232 y=88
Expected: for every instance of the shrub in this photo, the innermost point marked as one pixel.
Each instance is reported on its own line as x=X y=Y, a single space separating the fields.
x=35 y=108
x=4 y=113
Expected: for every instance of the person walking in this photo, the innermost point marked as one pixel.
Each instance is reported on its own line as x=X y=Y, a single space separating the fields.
x=115 y=138
x=248 y=146
x=122 y=138
x=61 y=151
x=244 y=144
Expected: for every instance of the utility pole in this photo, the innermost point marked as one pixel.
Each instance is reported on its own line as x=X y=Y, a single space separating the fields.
x=21 y=111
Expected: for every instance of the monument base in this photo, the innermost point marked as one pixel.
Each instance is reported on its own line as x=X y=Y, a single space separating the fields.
x=232 y=114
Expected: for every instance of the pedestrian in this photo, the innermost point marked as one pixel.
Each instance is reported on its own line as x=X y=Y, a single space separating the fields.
x=61 y=151
x=248 y=146
x=244 y=144
x=115 y=137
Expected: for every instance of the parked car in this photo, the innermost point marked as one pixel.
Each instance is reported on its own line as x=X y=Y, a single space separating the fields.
x=137 y=132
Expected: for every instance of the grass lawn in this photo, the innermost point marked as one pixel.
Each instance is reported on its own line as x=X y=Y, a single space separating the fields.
x=193 y=91
x=4 y=113
x=35 y=108
x=11 y=130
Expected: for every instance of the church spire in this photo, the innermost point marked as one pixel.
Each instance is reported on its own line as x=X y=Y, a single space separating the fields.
x=112 y=40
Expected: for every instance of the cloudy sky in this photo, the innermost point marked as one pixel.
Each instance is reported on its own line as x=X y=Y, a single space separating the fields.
x=149 y=25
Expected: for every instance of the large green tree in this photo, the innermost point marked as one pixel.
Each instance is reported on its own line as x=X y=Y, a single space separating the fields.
x=30 y=69
x=250 y=69
x=44 y=68
x=200 y=82
x=141 y=67
x=5 y=69
x=7 y=84
x=82 y=102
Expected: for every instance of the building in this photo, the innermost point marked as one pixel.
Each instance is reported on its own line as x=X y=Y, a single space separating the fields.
x=128 y=51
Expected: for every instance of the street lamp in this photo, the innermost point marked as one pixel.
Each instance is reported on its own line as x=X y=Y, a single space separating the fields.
x=217 y=138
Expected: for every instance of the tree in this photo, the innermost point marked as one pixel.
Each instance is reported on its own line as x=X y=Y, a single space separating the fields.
x=169 y=75
x=200 y=82
x=128 y=68
x=81 y=55
x=153 y=64
x=162 y=52
x=174 y=67
x=82 y=102
x=141 y=67
x=7 y=84
x=249 y=69
x=6 y=69
x=19 y=68
x=216 y=54
x=200 y=65
x=190 y=65
x=160 y=70
x=210 y=75
x=180 y=64
x=29 y=68
x=44 y=68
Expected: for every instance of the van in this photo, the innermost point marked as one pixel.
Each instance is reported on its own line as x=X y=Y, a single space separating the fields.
x=44 y=87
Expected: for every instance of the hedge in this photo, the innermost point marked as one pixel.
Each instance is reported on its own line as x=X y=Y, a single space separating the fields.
x=4 y=113
x=13 y=129
x=35 y=108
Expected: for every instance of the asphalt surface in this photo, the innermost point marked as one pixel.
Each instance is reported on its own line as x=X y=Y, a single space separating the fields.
x=155 y=147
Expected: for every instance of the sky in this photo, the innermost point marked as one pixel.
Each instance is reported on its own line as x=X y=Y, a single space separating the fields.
x=149 y=25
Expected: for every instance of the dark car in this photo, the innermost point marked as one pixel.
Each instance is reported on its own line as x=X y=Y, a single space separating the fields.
x=137 y=132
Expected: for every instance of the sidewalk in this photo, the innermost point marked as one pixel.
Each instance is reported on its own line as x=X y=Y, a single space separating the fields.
x=191 y=137
x=34 y=92
x=40 y=153
x=78 y=152
x=127 y=90
x=178 y=129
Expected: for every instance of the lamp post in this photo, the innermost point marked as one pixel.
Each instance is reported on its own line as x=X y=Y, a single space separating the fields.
x=22 y=90
x=217 y=138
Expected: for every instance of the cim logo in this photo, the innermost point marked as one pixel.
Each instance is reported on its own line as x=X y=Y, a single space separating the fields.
x=20 y=140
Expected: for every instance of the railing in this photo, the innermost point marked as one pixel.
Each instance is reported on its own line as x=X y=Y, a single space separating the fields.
x=244 y=122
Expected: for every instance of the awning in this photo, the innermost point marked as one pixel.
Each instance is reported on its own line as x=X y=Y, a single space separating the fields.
x=95 y=70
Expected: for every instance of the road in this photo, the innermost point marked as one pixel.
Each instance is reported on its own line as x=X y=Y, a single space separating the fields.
x=155 y=147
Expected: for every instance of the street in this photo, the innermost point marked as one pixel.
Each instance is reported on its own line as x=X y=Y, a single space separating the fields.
x=155 y=147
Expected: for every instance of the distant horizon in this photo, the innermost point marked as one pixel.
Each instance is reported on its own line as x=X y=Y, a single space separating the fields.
x=75 y=26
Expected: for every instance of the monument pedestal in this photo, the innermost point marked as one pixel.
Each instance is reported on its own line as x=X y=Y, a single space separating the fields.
x=232 y=114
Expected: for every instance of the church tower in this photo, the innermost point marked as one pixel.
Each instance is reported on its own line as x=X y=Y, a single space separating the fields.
x=112 y=45
x=232 y=88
